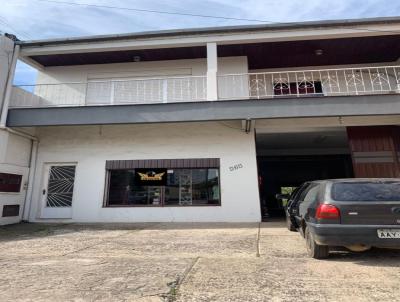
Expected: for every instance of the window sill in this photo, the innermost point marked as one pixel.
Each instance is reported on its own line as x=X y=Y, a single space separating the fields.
x=10 y=193
x=161 y=206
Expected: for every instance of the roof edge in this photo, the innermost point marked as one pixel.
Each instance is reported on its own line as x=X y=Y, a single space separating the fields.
x=211 y=30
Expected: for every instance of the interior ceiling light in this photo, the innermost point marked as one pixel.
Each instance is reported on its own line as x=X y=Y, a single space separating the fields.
x=318 y=52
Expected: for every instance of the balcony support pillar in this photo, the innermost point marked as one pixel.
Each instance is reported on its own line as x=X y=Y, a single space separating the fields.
x=212 y=69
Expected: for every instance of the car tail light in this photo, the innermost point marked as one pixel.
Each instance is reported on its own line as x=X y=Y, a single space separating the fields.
x=327 y=211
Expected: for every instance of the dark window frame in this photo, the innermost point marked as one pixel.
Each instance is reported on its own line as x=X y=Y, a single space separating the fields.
x=298 y=88
x=13 y=183
x=11 y=210
x=162 y=202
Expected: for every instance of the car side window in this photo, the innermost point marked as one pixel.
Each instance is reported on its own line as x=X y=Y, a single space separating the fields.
x=296 y=197
x=311 y=194
x=292 y=197
x=294 y=193
x=304 y=193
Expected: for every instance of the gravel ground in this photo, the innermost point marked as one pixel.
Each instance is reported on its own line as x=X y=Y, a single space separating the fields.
x=184 y=262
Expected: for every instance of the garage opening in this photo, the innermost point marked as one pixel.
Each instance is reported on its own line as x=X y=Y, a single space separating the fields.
x=286 y=160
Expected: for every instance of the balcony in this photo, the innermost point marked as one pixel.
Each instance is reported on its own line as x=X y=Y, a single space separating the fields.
x=265 y=85
x=118 y=92
x=309 y=83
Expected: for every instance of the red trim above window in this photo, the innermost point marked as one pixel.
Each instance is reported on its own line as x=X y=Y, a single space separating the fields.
x=163 y=163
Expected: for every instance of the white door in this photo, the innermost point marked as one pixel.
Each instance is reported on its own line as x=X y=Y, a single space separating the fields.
x=57 y=191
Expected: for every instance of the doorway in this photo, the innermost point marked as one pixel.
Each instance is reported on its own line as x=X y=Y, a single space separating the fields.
x=57 y=191
x=286 y=160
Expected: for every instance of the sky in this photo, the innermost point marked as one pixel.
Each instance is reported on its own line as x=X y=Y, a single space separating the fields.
x=39 y=19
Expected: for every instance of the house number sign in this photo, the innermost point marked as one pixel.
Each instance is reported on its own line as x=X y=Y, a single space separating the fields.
x=235 y=167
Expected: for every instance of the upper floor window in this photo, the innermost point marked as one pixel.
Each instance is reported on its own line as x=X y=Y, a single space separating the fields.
x=294 y=88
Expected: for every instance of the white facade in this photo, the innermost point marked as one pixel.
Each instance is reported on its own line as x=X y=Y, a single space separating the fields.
x=208 y=79
x=89 y=148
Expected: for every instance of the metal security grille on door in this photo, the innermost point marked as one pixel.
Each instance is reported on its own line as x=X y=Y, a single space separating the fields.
x=61 y=186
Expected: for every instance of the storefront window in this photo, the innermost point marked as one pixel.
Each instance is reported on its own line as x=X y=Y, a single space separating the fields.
x=163 y=187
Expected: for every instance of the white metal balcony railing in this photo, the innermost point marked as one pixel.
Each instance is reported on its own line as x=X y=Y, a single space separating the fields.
x=302 y=83
x=116 y=92
x=321 y=82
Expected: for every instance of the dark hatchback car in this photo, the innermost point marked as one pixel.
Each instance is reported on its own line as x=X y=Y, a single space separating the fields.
x=354 y=213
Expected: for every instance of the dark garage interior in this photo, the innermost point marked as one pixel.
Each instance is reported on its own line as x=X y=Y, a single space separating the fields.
x=286 y=160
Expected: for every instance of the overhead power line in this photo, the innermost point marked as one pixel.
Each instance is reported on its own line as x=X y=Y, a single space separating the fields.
x=193 y=14
x=18 y=32
x=154 y=11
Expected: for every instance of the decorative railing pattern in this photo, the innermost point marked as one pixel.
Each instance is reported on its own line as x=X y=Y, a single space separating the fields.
x=322 y=82
x=264 y=85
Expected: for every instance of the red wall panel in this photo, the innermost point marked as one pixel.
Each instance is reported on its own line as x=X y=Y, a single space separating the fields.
x=10 y=182
x=374 y=150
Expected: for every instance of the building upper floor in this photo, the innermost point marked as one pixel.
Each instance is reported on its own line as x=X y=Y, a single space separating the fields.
x=276 y=62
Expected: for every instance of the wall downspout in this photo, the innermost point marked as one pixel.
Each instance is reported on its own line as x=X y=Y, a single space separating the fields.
x=10 y=79
x=26 y=211
x=8 y=91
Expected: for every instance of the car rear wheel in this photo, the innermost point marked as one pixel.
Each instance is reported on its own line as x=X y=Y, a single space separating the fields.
x=315 y=250
x=289 y=224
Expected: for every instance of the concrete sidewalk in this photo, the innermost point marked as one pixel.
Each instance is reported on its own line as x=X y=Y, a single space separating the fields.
x=184 y=262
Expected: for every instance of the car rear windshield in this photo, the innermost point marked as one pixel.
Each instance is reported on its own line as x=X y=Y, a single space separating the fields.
x=366 y=191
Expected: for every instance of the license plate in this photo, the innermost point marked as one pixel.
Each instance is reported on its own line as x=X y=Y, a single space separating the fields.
x=389 y=233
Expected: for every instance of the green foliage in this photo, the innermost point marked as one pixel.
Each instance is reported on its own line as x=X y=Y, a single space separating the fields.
x=286 y=190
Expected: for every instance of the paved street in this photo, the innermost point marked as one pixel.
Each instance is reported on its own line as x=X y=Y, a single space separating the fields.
x=184 y=262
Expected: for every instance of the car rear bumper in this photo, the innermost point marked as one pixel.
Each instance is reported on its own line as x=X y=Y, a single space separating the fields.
x=345 y=235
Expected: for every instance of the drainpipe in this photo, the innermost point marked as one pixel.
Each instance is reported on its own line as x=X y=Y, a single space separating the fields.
x=8 y=91
x=19 y=133
x=26 y=211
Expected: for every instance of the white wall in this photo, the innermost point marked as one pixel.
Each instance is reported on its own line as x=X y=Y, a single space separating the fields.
x=195 y=67
x=14 y=159
x=91 y=146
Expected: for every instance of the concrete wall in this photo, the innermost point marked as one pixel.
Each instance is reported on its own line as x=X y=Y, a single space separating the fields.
x=91 y=146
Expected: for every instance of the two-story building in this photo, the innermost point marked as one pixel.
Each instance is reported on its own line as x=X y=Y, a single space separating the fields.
x=196 y=124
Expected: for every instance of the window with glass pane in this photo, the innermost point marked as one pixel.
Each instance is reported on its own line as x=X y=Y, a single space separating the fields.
x=123 y=190
x=181 y=187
